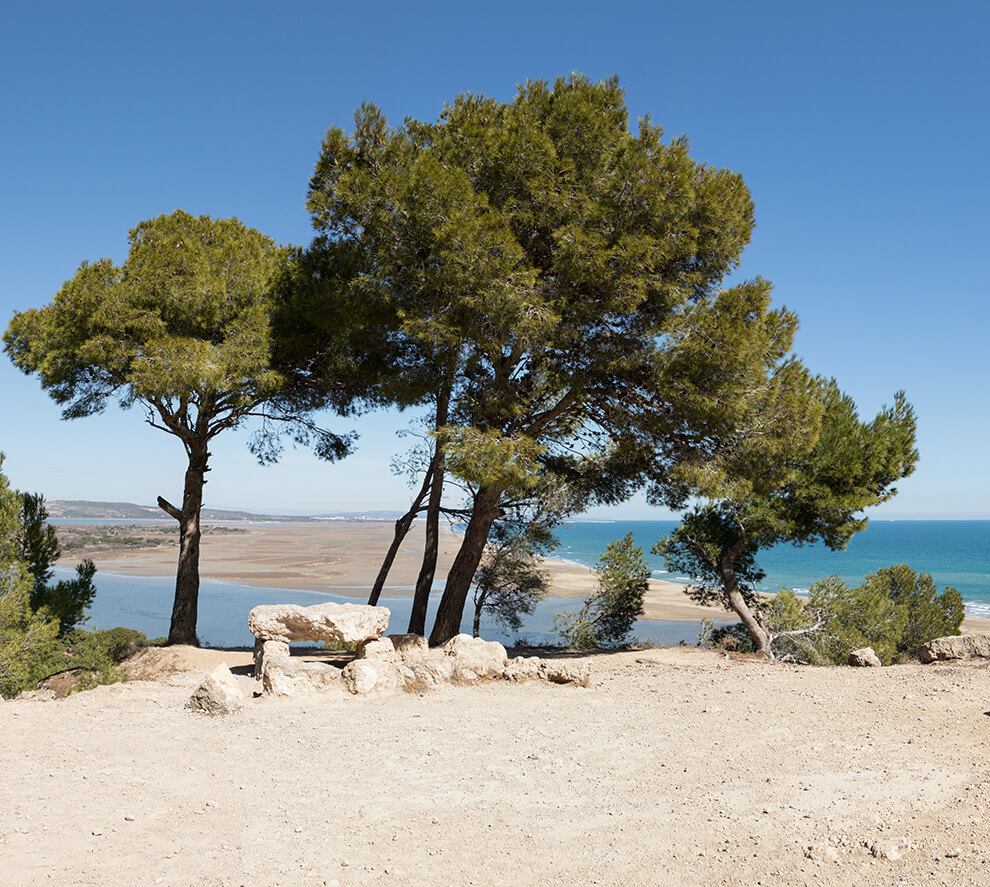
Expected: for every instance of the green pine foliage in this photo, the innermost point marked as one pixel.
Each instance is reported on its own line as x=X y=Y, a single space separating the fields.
x=608 y=616
x=770 y=481
x=27 y=637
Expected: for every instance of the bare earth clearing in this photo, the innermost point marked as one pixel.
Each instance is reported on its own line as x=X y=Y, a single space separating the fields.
x=677 y=767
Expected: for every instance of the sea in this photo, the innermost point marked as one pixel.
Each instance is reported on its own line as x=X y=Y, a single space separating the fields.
x=955 y=553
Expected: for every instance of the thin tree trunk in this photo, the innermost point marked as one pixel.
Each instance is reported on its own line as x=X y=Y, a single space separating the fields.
x=402 y=527
x=479 y=605
x=428 y=570
x=465 y=565
x=185 y=607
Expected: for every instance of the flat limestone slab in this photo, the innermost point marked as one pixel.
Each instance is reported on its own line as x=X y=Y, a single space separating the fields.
x=344 y=623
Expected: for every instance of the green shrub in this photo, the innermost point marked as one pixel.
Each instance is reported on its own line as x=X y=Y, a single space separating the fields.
x=28 y=639
x=607 y=617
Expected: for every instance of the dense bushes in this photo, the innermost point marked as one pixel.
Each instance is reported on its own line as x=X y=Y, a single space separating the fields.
x=39 y=636
x=895 y=611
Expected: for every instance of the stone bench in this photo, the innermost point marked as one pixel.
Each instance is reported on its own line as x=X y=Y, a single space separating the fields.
x=275 y=626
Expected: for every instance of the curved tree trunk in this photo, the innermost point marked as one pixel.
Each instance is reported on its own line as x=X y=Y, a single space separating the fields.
x=451 y=609
x=185 y=607
x=759 y=635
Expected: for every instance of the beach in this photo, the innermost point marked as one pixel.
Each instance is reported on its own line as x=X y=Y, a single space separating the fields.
x=343 y=557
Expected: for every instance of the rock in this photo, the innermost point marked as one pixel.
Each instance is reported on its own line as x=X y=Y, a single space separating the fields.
x=557 y=672
x=426 y=673
x=377 y=648
x=266 y=649
x=864 y=657
x=410 y=646
x=364 y=676
x=475 y=659
x=821 y=853
x=218 y=694
x=523 y=668
x=285 y=676
x=344 y=623
x=891 y=849
x=966 y=646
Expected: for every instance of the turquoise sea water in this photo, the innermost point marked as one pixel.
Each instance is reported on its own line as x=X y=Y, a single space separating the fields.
x=954 y=552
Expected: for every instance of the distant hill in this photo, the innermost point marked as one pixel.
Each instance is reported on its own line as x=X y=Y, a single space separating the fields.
x=76 y=509
x=67 y=509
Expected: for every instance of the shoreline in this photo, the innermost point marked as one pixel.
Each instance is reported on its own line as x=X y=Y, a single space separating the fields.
x=343 y=558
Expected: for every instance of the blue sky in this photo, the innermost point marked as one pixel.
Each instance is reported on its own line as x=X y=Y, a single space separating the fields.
x=860 y=128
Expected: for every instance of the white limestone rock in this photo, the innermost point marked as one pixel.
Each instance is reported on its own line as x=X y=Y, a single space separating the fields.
x=267 y=649
x=286 y=676
x=364 y=676
x=344 y=623
x=966 y=646
x=475 y=659
x=410 y=646
x=219 y=693
x=864 y=657
x=523 y=668
x=427 y=673
x=378 y=649
x=572 y=672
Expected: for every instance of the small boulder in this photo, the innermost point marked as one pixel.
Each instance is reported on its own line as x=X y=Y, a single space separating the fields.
x=265 y=650
x=288 y=676
x=410 y=646
x=573 y=672
x=966 y=646
x=344 y=623
x=427 y=673
x=377 y=648
x=523 y=668
x=864 y=657
x=218 y=694
x=364 y=676
x=475 y=659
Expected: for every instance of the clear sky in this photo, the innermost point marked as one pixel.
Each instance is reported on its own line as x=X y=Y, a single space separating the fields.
x=861 y=128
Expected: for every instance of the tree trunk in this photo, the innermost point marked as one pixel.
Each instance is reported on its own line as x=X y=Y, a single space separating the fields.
x=185 y=607
x=760 y=636
x=428 y=570
x=479 y=605
x=451 y=609
x=402 y=526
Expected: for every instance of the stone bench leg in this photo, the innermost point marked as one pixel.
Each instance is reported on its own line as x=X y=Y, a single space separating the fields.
x=264 y=649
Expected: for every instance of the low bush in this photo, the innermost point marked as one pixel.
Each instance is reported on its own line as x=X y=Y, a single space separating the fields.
x=895 y=611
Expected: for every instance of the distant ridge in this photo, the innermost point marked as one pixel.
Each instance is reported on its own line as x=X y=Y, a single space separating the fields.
x=73 y=509
x=80 y=509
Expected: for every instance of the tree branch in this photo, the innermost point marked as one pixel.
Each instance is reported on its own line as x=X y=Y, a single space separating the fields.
x=170 y=509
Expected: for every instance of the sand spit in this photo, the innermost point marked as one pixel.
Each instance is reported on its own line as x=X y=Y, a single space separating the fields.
x=676 y=767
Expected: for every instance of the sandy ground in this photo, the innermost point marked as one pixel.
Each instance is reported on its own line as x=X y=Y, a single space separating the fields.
x=676 y=767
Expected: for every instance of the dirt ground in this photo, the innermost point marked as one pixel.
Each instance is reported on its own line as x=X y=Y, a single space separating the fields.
x=676 y=767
